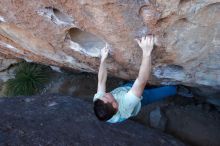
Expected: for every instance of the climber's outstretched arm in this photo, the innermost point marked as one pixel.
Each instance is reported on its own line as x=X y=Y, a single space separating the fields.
x=146 y=44
x=102 y=75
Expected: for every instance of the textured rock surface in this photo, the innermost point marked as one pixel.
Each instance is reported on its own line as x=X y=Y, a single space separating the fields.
x=6 y=62
x=199 y=126
x=67 y=121
x=70 y=33
x=6 y=71
x=194 y=122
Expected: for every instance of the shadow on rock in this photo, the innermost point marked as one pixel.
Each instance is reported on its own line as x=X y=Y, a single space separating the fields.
x=53 y=120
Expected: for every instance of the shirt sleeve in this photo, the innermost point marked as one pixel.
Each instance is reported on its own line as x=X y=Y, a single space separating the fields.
x=98 y=95
x=129 y=102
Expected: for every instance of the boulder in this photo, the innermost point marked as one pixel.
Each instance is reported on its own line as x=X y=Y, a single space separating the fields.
x=157 y=119
x=62 y=120
x=70 y=34
x=197 y=125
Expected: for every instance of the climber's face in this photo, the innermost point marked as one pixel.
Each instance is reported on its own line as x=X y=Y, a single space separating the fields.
x=109 y=98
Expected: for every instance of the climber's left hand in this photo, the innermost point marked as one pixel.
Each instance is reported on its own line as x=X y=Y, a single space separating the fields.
x=104 y=53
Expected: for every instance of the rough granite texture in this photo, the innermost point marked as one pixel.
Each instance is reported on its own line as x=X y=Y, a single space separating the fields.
x=6 y=62
x=6 y=69
x=60 y=120
x=70 y=33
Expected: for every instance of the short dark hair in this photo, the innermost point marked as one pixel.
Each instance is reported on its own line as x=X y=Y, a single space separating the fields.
x=103 y=111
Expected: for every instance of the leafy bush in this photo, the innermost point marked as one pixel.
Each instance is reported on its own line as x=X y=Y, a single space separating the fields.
x=30 y=78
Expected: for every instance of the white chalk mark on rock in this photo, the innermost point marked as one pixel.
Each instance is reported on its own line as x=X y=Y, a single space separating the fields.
x=169 y=72
x=2 y=19
x=56 y=16
x=85 y=42
x=93 y=52
x=27 y=60
x=55 y=68
x=3 y=44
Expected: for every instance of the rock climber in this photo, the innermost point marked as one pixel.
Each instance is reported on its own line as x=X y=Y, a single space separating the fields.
x=126 y=101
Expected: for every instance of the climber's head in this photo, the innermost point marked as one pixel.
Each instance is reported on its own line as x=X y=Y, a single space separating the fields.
x=105 y=107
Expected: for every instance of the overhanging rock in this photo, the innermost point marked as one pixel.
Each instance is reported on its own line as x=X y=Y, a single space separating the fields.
x=70 y=34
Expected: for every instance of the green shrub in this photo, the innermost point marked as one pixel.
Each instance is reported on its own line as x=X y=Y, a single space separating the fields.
x=30 y=78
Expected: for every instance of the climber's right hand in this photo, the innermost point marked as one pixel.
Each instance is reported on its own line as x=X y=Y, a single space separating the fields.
x=146 y=43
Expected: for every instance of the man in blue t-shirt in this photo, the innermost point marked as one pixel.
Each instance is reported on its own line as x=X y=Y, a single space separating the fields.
x=125 y=101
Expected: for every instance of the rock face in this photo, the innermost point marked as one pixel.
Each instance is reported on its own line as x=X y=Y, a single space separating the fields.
x=56 y=121
x=196 y=123
x=198 y=127
x=5 y=63
x=70 y=33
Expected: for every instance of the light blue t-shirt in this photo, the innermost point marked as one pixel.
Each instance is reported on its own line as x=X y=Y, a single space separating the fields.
x=128 y=104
